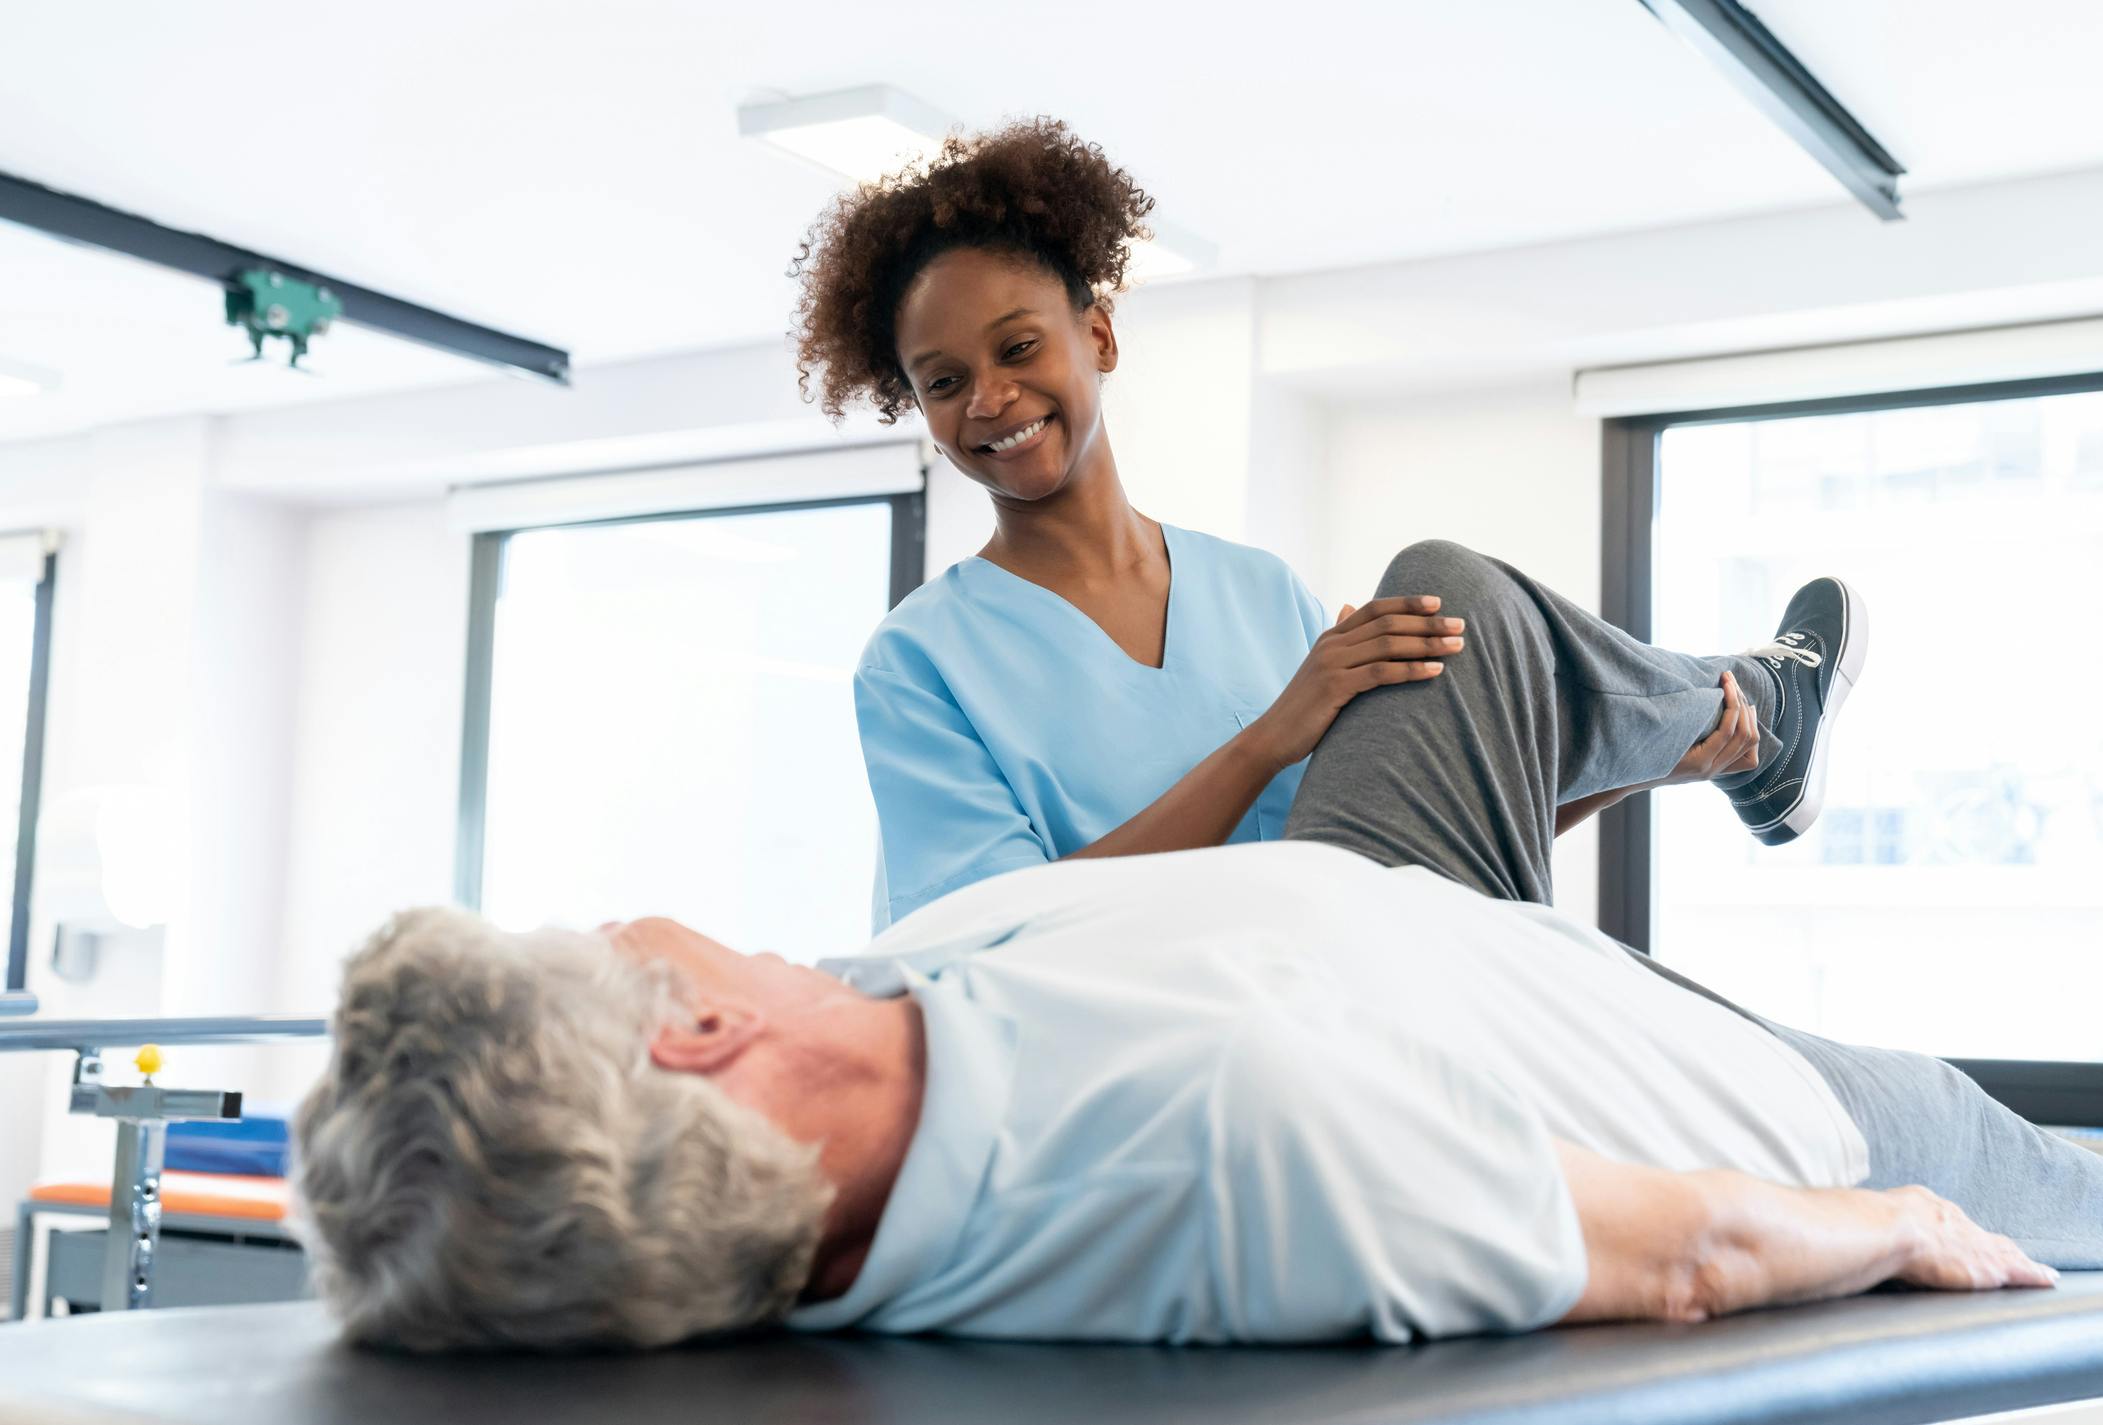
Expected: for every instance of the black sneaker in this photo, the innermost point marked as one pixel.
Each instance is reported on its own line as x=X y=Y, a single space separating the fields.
x=1816 y=658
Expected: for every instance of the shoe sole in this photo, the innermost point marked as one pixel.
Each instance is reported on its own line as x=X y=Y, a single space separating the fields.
x=1854 y=651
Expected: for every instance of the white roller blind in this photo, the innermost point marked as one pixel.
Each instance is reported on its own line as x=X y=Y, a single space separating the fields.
x=1862 y=368
x=864 y=470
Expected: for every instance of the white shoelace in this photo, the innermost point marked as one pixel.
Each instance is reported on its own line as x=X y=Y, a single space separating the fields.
x=1785 y=646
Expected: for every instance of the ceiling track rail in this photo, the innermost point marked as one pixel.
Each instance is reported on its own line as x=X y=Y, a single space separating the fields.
x=82 y=220
x=1732 y=38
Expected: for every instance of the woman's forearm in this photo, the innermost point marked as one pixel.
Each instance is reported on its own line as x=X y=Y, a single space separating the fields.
x=1202 y=809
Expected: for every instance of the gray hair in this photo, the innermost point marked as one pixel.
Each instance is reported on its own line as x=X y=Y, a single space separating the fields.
x=491 y=1159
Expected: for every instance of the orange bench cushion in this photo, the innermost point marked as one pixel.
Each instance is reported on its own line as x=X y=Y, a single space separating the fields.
x=198 y=1194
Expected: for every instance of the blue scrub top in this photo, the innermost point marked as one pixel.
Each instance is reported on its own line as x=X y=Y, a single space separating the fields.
x=1003 y=728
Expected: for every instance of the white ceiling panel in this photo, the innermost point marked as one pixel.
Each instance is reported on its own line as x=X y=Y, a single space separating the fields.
x=573 y=174
x=1960 y=92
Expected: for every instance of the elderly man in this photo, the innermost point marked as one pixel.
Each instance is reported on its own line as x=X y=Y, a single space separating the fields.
x=1294 y=1091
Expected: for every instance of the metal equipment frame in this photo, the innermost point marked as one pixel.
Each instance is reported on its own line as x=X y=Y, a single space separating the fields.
x=142 y=1115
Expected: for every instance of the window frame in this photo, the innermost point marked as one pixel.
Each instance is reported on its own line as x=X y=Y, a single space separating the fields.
x=2068 y=1094
x=486 y=584
x=32 y=780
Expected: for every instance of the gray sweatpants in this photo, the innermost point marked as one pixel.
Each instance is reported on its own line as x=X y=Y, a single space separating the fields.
x=1462 y=774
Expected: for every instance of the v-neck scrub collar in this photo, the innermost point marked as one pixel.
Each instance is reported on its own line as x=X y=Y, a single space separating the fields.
x=1002 y=727
x=981 y=570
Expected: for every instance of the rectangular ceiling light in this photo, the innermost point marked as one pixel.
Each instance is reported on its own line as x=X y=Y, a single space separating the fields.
x=18 y=379
x=872 y=130
x=863 y=132
x=1733 y=39
x=1172 y=252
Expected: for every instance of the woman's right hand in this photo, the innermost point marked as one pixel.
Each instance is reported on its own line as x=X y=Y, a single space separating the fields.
x=1398 y=640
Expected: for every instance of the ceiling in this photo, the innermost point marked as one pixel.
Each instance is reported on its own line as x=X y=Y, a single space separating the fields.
x=573 y=174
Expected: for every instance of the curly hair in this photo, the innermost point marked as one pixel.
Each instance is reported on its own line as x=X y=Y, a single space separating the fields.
x=1033 y=188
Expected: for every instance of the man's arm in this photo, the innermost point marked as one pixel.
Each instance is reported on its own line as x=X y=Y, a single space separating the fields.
x=1687 y=1246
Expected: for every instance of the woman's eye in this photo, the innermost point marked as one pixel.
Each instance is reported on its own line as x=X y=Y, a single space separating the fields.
x=1020 y=347
x=935 y=386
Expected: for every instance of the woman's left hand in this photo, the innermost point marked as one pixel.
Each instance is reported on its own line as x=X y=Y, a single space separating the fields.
x=1733 y=747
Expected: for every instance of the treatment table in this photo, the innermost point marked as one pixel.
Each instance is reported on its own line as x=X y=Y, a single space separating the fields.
x=1885 y=1359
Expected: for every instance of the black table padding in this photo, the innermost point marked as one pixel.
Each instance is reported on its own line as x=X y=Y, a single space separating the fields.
x=1885 y=1359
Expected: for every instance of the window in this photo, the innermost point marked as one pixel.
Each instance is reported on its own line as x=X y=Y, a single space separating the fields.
x=1950 y=898
x=670 y=723
x=28 y=575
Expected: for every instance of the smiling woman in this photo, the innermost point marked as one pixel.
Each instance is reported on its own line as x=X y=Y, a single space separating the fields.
x=1092 y=683
x=1032 y=191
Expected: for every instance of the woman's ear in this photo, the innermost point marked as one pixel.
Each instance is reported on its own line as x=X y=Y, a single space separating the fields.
x=708 y=1040
x=1104 y=336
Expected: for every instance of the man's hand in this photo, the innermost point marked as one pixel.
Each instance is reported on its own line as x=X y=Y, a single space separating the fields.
x=1398 y=640
x=1950 y=1252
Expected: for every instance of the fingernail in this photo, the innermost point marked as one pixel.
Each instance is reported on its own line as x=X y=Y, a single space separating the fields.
x=1455 y=625
x=1450 y=642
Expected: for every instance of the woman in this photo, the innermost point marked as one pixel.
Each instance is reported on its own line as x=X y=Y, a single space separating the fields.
x=1093 y=682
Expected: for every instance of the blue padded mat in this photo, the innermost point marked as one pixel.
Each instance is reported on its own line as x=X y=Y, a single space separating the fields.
x=257 y=1146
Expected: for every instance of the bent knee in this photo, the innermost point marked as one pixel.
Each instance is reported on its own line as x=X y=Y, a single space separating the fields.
x=1429 y=564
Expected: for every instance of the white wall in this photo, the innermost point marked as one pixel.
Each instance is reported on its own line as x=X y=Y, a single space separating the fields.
x=375 y=731
x=1289 y=480
x=247 y=652
x=1511 y=472
x=376 y=772
x=1965 y=257
x=1177 y=407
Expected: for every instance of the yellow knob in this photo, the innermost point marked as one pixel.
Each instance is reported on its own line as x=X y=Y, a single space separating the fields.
x=149 y=1060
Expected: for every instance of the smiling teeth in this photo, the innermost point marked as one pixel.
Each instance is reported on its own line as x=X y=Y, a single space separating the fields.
x=1020 y=436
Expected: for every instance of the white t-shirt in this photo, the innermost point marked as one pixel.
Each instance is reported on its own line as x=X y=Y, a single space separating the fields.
x=1275 y=1092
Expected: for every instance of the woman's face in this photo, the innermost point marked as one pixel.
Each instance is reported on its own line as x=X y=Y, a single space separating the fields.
x=994 y=352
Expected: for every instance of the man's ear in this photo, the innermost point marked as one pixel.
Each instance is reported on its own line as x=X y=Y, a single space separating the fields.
x=708 y=1040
